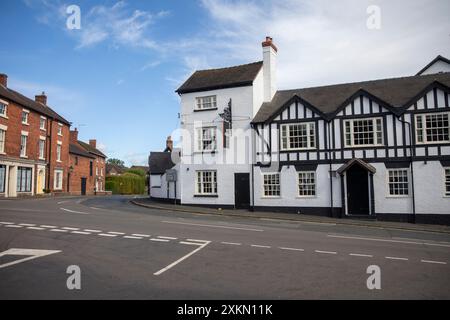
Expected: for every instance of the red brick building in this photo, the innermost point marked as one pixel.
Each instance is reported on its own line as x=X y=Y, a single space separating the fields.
x=34 y=145
x=87 y=167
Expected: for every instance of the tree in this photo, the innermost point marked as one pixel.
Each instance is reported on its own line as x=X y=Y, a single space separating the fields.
x=116 y=162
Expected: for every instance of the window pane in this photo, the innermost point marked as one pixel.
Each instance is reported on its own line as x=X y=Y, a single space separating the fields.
x=2 y=178
x=307 y=183
x=447 y=181
x=437 y=127
x=398 y=182
x=271 y=185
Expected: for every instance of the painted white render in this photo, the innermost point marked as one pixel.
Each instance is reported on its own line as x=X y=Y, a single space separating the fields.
x=437 y=67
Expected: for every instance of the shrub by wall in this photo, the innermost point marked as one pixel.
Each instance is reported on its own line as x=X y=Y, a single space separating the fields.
x=127 y=183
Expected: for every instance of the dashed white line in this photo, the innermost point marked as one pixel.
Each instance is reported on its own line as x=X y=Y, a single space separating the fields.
x=49 y=227
x=396 y=258
x=59 y=230
x=325 y=252
x=260 y=246
x=361 y=255
x=73 y=211
x=71 y=229
x=431 y=261
x=93 y=230
x=27 y=225
x=212 y=226
x=116 y=233
x=80 y=232
x=389 y=240
x=191 y=243
x=232 y=243
x=2 y=222
x=141 y=235
x=291 y=249
x=167 y=238
x=159 y=240
x=132 y=237
x=13 y=226
x=35 y=228
x=107 y=235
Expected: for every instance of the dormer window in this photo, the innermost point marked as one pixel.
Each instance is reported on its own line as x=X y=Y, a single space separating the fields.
x=433 y=128
x=363 y=132
x=206 y=103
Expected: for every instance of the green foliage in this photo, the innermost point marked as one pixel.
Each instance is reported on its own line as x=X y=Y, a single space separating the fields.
x=138 y=172
x=127 y=183
x=117 y=162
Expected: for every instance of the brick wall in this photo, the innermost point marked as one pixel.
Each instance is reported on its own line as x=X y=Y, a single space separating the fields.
x=80 y=169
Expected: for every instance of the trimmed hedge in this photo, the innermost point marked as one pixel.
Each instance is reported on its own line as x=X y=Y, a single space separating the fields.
x=127 y=183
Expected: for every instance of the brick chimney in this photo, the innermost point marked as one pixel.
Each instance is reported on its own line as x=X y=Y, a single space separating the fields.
x=269 y=69
x=169 y=144
x=93 y=143
x=42 y=98
x=74 y=135
x=4 y=80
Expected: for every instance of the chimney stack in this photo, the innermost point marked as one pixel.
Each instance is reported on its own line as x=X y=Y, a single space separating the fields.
x=169 y=144
x=93 y=143
x=42 y=98
x=269 y=69
x=74 y=136
x=4 y=80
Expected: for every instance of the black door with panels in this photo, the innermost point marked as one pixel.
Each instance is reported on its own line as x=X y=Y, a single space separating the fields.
x=358 y=191
x=242 y=190
x=83 y=186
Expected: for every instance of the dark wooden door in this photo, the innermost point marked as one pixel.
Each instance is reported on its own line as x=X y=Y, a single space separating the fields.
x=358 y=191
x=242 y=190
x=83 y=186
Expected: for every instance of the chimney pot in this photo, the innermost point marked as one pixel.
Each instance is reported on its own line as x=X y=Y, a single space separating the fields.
x=269 y=43
x=93 y=143
x=42 y=98
x=74 y=136
x=4 y=80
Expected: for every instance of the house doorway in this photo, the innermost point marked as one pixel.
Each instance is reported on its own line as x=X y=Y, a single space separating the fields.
x=242 y=190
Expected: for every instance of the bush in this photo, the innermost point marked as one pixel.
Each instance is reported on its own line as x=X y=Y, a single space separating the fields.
x=138 y=172
x=128 y=183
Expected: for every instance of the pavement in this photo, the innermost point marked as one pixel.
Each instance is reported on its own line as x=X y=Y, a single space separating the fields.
x=369 y=223
x=124 y=251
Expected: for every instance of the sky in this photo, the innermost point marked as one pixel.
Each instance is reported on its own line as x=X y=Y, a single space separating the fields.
x=115 y=77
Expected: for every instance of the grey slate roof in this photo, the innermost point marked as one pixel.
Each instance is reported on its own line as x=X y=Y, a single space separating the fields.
x=78 y=150
x=160 y=162
x=237 y=76
x=91 y=149
x=27 y=103
x=395 y=92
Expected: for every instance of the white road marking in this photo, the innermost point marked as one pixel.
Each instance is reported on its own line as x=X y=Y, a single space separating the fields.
x=141 y=235
x=27 y=225
x=201 y=246
x=132 y=237
x=61 y=202
x=59 y=230
x=13 y=226
x=396 y=258
x=212 y=226
x=35 y=228
x=196 y=240
x=361 y=255
x=80 y=232
x=93 y=230
x=73 y=211
x=292 y=249
x=50 y=227
x=116 y=233
x=325 y=252
x=31 y=253
x=159 y=240
x=259 y=246
x=232 y=243
x=6 y=222
x=107 y=235
x=389 y=240
x=94 y=208
x=167 y=238
x=190 y=243
x=69 y=228
x=431 y=261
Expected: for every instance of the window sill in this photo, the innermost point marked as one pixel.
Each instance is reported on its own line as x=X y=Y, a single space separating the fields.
x=206 y=196
x=24 y=157
x=3 y=153
x=5 y=117
x=306 y=197
x=42 y=129
x=363 y=146
x=59 y=161
x=273 y=197
x=397 y=197
x=297 y=150
x=43 y=159
x=201 y=110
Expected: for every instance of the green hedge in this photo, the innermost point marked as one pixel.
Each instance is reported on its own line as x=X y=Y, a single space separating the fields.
x=127 y=183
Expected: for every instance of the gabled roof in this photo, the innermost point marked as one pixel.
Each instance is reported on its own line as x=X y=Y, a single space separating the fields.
x=91 y=149
x=393 y=93
x=356 y=161
x=79 y=151
x=238 y=76
x=160 y=162
x=27 y=103
x=438 y=58
x=115 y=167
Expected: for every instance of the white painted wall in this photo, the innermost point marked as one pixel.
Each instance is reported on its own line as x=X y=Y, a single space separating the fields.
x=437 y=67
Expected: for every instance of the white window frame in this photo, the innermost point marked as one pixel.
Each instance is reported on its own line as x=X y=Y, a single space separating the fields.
x=58 y=183
x=423 y=130
x=60 y=128
x=200 y=103
x=200 y=139
x=43 y=128
x=5 y=114
x=28 y=180
x=3 y=139
x=314 y=176
x=23 y=146
x=27 y=118
x=263 y=184
x=200 y=183
x=388 y=189
x=41 y=154
x=285 y=140
x=446 y=182
x=352 y=132
x=58 y=151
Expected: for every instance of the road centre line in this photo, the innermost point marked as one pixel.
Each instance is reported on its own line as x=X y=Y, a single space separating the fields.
x=159 y=240
x=35 y=228
x=59 y=230
x=132 y=237
x=232 y=243
x=2 y=222
x=388 y=240
x=116 y=233
x=70 y=228
x=325 y=252
x=360 y=255
x=141 y=235
x=13 y=226
x=205 y=243
x=212 y=226
x=73 y=211
x=107 y=235
x=27 y=225
x=291 y=249
x=80 y=232
x=49 y=227
x=93 y=230
x=431 y=261
x=190 y=243
x=260 y=246
x=396 y=258
x=167 y=238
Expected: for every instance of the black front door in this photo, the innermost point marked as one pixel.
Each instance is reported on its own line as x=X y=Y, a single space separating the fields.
x=242 y=190
x=83 y=186
x=358 y=191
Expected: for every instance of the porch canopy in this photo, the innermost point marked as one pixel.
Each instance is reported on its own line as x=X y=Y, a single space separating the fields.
x=359 y=162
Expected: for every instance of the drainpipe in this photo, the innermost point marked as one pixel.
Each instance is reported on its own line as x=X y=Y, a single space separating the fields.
x=253 y=166
x=49 y=159
x=331 y=169
x=412 y=167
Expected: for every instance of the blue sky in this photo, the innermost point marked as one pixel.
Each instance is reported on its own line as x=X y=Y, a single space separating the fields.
x=115 y=78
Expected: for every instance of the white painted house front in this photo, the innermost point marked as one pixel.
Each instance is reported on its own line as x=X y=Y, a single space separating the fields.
x=374 y=149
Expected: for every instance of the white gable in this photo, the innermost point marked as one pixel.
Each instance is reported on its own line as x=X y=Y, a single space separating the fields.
x=437 y=67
